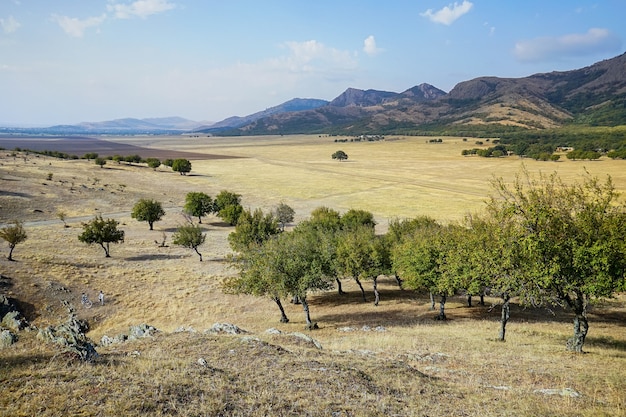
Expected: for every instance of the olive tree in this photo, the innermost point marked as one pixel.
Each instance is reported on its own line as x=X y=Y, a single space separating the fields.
x=14 y=235
x=198 y=204
x=103 y=232
x=228 y=207
x=146 y=210
x=189 y=236
x=284 y=214
x=572 y=236
x=182 y=166
x=253 y=228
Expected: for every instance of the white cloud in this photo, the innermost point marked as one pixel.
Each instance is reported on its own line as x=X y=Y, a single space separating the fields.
x=9 y=25
x=76 y=27
x=369 y=46
x=139 y=8
x=596 y=40
x=449 y=13
x=313 y=56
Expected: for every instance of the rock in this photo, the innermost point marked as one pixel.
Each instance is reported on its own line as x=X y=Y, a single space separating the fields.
x=13 y=321
x=70 y=336
x=225 y=328
x=273 y=331
x=307 y=339
x=7 y=338
x=202 y=362
x=564 y=392
x=141 y=331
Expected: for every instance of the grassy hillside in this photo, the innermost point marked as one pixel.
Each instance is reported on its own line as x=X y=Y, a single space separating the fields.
x=393 y=359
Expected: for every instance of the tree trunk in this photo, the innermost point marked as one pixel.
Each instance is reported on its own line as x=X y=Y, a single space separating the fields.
x=376 y=293
x=361 y=287
x=305 y=306
x=398 y=281
x=442 y=306
x=469 y=300
x=199 y=254
x=295 y=300
x=106 y=249
x=581 y=325
x=283 y=316
x=151 y=224
x=200 y=219
x=10 y=257
x=506 y=314
x=339 y=289
x=432 y=300
x=482 y=298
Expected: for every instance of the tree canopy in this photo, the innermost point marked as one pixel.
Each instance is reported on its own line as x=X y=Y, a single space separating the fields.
x=13 y=235
x=147 y=210
x=228 y=207
x=190 y=236
x=340 y=155
x=198 y=204
x=181 y=165
x=103 y=232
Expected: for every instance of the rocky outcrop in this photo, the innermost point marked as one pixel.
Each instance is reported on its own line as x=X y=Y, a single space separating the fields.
x=70 y=337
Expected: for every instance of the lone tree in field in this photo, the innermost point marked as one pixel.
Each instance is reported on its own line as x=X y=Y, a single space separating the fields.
x=340 y=155
x=182 y=166
x=103 y=232
x=284 y=214
x=189 y=236
x=14 y=235
x=198 y=204
x=571 y=238
x=147 y=211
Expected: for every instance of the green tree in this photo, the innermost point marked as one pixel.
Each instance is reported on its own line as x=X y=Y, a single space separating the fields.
x=198 y=204
x=340 y=155
x=284 y=214
x=14 y=235
x=360 y=255
x=103 y=232
x=100 y=161
x=354 y=218
x=572 y=238
x=146 y=210
x=182 y=166
x=420 y=260
x=228 y=207
x=252 y=229
x=189 y=236
x=153 y=163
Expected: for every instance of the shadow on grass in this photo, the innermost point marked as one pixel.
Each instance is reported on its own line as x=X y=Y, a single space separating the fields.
x=154 y=257
x=606 y=342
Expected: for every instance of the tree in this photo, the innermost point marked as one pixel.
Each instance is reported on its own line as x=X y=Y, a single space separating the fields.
x=420 y=260
x=100 y=161
x=354 y=218
x=572 y=240
x=103 y=232
x=153 y=163
x=62 y=215
x=146 y=210
x=189 y=236
x=198 y=204
x=252 y=229
x=182 y=166
x=228 y=207
x=359 y=256
x=284 y=214
x=340 y=155
x=14 y=235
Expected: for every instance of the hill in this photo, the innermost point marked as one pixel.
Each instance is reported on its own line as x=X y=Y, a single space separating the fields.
x=593 y=95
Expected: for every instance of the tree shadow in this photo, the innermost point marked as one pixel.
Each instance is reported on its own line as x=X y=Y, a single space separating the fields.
x=154 y=257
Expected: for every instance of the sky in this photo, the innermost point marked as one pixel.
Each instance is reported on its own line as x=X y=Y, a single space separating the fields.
x=72 y=61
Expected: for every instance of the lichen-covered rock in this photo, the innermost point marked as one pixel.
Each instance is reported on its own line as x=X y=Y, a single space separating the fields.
x=7 y=338
x=306 y=338
x=13 y=320
x=225 y=328
x=70 y=336
x=141 y=331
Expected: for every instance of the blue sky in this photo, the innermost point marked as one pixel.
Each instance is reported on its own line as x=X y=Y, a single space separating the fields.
x=69 y=61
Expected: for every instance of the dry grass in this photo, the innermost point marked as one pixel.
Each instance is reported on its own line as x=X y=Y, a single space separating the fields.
x=410 y=365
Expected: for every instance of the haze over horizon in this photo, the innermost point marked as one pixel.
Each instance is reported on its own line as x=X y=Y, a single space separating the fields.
x=72 y=61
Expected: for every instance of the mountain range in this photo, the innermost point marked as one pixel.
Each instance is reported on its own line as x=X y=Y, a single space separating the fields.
x=593 y=95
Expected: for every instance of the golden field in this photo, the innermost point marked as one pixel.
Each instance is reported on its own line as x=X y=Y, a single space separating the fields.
x=411 y=365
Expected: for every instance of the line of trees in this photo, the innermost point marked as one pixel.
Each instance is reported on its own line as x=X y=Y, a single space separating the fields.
x=540 y=240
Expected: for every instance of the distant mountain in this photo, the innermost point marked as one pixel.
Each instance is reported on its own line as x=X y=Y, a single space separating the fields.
x=294 y=105
x=594 y=95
